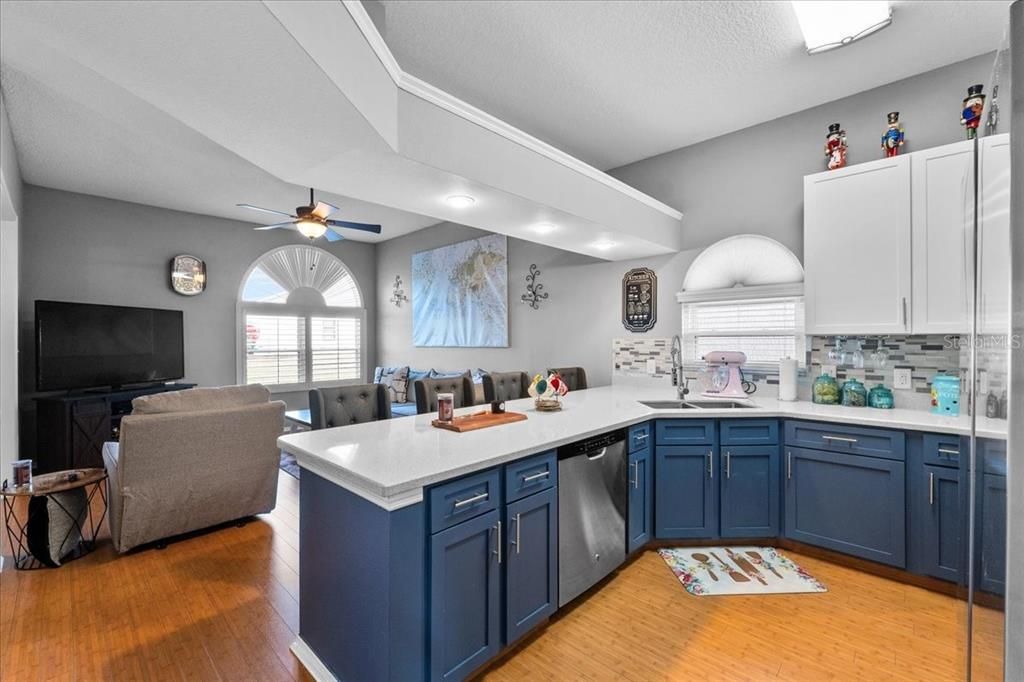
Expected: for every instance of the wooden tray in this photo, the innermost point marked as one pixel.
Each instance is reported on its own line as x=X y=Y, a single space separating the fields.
x=480 y=420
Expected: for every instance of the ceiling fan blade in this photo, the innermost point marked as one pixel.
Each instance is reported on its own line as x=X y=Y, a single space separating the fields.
x=323 y=209
x=365 y=227
x=265 y=210
x=276 y=226
x=332 y=236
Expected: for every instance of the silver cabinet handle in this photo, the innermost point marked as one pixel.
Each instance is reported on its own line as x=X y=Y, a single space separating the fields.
x=497 y=544
x=843 y=439
x=711 y=464
x=535 y=477
x=635 y=466
x=641 y=436
x=789 y=465
x=931 y=488
x=459 y=504
x=904 y=303
x=947 y=451
x=516 y=541
x=728 y=464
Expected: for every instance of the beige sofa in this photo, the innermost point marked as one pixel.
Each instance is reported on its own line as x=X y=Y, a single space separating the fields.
x=192 y=459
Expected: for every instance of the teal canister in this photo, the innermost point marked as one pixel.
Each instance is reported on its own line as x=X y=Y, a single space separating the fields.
x=855 y=394
x=825 y=390
x=881 y=397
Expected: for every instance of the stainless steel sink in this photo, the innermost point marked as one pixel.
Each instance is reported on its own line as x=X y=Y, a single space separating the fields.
x=694 y=404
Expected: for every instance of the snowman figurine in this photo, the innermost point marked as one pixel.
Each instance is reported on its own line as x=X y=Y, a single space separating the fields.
x=970 y=117
x=892 y=139
x=835 y=147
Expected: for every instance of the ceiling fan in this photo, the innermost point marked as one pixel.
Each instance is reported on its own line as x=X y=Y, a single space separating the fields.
x=312 y=221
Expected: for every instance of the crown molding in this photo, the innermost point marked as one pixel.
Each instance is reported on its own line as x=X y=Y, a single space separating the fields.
x=434 y=95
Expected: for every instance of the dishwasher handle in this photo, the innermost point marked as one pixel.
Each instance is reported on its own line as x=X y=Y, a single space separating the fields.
x=598 y=454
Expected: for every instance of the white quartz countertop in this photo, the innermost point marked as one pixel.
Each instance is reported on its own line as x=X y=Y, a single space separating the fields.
x=390 y=462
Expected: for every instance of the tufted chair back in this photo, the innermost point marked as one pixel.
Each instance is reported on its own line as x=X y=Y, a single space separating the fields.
x=505 y=386
x=574 y=377
x=344 y=405
x=427 y=389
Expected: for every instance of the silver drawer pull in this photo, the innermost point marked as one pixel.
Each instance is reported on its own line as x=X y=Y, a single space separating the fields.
x=947 y=451
x=844 y=439
x=535 y=477
x=635 y=466
x=641 y=436
x=931 y=488
x=471 y=500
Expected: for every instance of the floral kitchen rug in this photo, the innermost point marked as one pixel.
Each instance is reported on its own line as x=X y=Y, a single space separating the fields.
x=712 y=571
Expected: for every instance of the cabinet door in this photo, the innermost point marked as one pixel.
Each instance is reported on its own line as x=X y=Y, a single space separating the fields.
x=641 y=507
x=992 y=534
x=685 y=492
x=750 y=491
x=943 y=223
x=994 y=235
x=465 y=616
x=941 y=543
x=848 y=503
x=857 y=249
x=531 y=572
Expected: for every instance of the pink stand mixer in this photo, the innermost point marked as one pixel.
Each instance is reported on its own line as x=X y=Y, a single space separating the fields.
x=724 y=372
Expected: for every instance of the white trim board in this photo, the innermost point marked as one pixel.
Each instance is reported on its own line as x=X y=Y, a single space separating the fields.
x=311 y=662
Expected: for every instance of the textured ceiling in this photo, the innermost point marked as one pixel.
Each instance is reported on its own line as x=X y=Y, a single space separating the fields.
x=613 y=82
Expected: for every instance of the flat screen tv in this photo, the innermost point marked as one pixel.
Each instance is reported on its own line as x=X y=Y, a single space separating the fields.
x=81 y=345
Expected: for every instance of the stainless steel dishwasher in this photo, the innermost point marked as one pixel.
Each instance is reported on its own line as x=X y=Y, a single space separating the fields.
x=592 y=500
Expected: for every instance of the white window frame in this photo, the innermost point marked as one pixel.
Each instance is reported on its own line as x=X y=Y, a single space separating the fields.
x=738 y=294
x=306 y=312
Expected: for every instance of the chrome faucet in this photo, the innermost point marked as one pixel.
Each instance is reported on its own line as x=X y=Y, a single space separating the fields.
x=681 y=383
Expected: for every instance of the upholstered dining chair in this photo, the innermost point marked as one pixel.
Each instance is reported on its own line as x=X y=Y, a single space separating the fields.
x=505 y=386
x=426 y=391
x=574 y=377
x=351 y=404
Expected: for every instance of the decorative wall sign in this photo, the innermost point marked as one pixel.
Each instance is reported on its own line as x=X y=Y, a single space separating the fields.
x=188 y=275
x=639 y=300
x=398 y=295
x=534 y=292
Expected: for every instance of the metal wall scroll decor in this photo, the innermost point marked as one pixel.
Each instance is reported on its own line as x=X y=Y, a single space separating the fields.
x=398 y=295
x=639 y=300
x=534 y=292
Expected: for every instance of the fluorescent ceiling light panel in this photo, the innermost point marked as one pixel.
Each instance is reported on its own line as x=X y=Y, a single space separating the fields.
x=831 y=24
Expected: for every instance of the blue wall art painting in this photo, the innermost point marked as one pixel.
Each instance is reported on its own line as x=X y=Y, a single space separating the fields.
x=460 y=294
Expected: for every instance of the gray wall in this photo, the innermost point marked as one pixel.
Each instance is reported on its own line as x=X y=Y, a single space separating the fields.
x=575 y=326
x=9 y=165
x=77 y=247
x=752 y=180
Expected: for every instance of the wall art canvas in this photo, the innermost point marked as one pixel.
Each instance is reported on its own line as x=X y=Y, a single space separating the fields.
x=460 y=294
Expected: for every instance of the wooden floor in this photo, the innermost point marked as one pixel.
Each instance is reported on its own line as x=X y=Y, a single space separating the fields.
x=223 y=606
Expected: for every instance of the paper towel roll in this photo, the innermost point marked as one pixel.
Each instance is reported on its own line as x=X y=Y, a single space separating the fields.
x=787 y=379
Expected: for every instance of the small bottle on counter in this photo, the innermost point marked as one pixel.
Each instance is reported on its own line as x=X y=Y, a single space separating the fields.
x=445 y=407
x=1003 y=405
x=992 y=406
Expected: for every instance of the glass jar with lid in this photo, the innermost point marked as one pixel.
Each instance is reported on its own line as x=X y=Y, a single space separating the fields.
x=825 y=390
x=881 y=397
x=854 y=394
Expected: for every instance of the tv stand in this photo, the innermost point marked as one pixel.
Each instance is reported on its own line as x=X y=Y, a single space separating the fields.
x=71 y=429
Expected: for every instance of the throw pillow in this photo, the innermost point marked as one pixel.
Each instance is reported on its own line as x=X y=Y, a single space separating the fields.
x=417 y=374
x=396 y=379
x=52 y=529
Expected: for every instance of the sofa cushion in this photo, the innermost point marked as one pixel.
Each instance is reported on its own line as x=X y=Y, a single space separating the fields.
x=201 y=399
x=450 y=374
x=417 y=374
x=403 y=409
x=396 y=380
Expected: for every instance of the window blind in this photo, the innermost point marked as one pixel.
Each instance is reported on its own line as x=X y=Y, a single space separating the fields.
x=766 y=330
x=275 y=349
x=335 y=344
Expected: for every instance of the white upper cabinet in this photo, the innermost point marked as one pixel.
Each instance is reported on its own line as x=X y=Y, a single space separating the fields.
x=857 y=249
x=994 y=236
x=942 y=198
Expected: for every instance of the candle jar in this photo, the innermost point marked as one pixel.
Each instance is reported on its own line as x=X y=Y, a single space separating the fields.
x=21 y=473
x=445 y=407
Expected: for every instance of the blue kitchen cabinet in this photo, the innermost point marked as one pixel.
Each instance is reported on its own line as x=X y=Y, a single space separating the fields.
x=685 y=491
x=465 y=596
x=849 y=503
x=940 y=522
x=531 y=566
x=749 y=491
x=992 y=534
x=641 y=500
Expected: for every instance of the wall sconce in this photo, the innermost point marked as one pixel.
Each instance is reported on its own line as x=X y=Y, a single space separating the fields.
x=398 y=296
x=533 y=294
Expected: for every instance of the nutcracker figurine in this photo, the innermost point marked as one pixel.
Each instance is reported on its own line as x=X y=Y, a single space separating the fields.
x=970 y=118
x=835 y=147
x=892 y=139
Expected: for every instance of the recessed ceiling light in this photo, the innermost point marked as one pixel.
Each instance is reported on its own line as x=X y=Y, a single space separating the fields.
x=835 y=23
x=544 y=228
x=460 y=201
x=604 y=244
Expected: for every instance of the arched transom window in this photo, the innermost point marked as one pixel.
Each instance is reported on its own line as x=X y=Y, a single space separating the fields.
x=302 y=321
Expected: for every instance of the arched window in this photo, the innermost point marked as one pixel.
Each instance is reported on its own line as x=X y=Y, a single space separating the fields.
x=301 y=321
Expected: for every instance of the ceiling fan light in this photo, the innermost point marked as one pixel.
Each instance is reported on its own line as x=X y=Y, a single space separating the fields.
x=311 y=228
x=835 y=23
